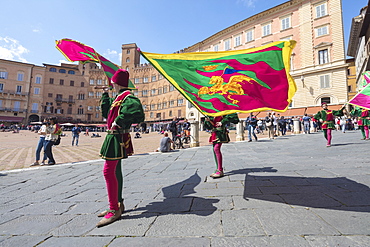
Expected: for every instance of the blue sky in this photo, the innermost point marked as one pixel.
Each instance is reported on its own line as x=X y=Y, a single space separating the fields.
x=29 y=29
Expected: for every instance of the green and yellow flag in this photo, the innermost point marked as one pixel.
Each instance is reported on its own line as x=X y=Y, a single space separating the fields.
x=220 y=83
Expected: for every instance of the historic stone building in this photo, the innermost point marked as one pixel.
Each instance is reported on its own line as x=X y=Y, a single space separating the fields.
x=359 y=43
x=30 y=93
x=318 y=62
x=351 y=78
x=318 y=66
x=20 y=87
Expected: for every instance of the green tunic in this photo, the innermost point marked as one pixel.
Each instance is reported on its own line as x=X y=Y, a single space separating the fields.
x=117 y=143
x=363 y=116
x=328 y=117
x=220 y=134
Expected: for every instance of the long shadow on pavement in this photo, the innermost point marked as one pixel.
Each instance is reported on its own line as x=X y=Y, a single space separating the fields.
x=174 y=203
x=339 y=193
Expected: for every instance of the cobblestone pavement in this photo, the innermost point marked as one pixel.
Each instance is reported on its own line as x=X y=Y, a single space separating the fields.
x=291 y=191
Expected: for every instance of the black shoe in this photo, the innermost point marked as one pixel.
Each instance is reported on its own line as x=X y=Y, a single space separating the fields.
x=249 y=140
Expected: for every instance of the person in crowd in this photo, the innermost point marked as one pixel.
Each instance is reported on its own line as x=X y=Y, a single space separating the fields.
x=282 y=125
x=342 y=123
x=326 y=117
x=173 y=127
x=75 y=134
x=41 y=145
x=186 y=128
x=260 y=126
x=251 y=123
x=52 y=131
x=275 y=124
x=121 y=112
x=164 y=144
x=219 y=135
x=269 y=125
x=306 y=123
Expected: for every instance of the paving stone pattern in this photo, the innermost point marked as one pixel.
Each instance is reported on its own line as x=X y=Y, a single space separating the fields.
x=291 y=191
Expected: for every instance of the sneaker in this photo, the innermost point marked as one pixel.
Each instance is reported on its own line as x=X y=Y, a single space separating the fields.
x=35 y=164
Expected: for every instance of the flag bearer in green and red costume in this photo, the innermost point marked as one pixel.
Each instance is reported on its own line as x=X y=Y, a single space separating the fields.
x=219 y=135
x=326 y=117
x=120 y=112
x=363 y=121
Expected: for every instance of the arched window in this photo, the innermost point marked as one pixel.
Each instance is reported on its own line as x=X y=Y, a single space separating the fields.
x=62 y=71
x=71 y=72
x=127 y=60
x=53 y=70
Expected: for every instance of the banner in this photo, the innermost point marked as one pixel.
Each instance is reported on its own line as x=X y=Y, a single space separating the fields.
x=220 y=83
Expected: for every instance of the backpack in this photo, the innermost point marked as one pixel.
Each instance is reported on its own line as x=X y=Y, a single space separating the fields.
x=57 y=142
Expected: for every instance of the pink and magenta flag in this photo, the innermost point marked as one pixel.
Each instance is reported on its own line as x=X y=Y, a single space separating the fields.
x=76 y=51
x=362 y=99
x=220 y=83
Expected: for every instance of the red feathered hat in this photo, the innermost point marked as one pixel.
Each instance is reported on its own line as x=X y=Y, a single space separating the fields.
x=121 y=77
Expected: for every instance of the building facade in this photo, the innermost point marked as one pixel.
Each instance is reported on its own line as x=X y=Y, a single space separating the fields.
x=318 y=63
x=359 y=43
x=16 y=81
x=30 y=93
x=351 y=79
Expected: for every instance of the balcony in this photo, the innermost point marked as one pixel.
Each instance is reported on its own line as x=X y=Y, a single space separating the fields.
x=62 y=100
x=12 y=92
x=34 y=111
x=6 y=109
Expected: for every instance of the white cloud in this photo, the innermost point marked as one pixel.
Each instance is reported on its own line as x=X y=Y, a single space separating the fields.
x=11 y=49
x=112 y=52
x=113 y=56
x=248 y=3
x=66 y=61
x=36 y=30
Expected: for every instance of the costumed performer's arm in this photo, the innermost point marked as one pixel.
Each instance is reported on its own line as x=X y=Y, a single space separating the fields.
x=207 y=124
x=339 y=112
x=105 y=103
x=318 y=116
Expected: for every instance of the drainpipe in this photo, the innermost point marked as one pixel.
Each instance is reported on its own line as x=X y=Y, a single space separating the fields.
x=29 y=93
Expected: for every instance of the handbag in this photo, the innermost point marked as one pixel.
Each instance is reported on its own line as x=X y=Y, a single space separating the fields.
x=268 y=124
x=57 y=141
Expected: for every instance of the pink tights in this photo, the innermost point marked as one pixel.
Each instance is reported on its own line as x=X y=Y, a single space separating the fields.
x=218 y=155
x=109 y=172
x=327 y=134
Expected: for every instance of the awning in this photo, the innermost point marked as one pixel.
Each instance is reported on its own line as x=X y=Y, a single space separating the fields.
x=67 y=124
x=311 y=110
x=11 y=119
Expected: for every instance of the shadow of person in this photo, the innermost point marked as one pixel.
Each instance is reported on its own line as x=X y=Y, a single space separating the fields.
x=338 y=193
x=177 y=201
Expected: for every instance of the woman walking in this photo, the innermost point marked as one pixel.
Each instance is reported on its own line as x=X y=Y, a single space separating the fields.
x=53 y=130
